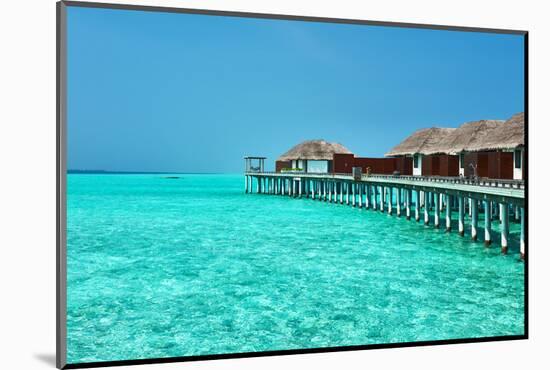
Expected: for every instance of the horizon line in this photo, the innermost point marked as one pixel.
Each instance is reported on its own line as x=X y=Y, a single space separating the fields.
x=97 y=172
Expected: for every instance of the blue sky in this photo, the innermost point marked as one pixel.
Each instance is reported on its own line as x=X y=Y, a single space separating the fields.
x=172 y=92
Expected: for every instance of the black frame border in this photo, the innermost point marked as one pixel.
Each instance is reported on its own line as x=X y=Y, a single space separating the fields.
x=61 y=171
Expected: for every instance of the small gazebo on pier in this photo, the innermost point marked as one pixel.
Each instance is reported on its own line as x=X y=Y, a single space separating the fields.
x=254 y=164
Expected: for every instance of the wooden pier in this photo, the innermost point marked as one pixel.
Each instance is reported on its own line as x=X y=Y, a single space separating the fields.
x=395 y=195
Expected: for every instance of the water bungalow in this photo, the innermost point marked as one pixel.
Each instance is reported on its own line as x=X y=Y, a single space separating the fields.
x=487 y=149
x=423 y=146
x=311 y=156
x=492 y=149
x=475 y=171
x=320 y=156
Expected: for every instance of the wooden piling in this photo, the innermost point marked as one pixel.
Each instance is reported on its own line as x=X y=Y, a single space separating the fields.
x=437 y=205
x=522 y=234
x=487 y=239
x=417 y=207
x=390 y=200
x=382 y=196
x=504 y=227
x=408 y=205
x=461 y=216
x=426 y=208
x=473 y=210
x=398 y=202
x=448 y=213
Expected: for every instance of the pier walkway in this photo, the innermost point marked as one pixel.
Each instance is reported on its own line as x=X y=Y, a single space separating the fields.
x=502 y=200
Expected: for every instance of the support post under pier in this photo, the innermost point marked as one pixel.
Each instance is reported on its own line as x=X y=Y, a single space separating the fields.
x=522 y=234
x=382 y=196
x=426 y=208
x=390 y=200
x=473 y=209
x=398 y=203
x=437 y=205
x=487 y=239
x=504 y=228
x=417 y=207
x=448 y=213
x=408 y=205
x=460 y=215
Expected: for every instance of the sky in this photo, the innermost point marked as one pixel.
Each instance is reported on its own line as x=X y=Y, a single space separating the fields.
x=166 y=92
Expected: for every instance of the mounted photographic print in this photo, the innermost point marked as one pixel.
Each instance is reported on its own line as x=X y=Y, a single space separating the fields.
x=236 y=185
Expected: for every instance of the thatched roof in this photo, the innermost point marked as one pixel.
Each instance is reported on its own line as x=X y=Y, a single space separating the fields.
x=511 y=135
x=485 y=135
x=423 y=141
x=471 y=136
x=314 y=149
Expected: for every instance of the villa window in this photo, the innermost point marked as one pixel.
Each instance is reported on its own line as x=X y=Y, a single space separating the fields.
x=517 y=158
x=461 y=160
x=415 y=161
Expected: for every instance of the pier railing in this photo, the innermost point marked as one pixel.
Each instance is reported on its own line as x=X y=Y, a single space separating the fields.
x=503 y=183
x=459 y=180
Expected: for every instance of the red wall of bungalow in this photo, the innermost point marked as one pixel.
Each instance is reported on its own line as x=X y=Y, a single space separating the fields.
x=343 y=163
x=383 y=166
x=479 y=159
x=494 y=165
x=430 y=165
x=279 y=165
x=404 y=165
x=500 y=165
x=440 y=165
x=448 y=165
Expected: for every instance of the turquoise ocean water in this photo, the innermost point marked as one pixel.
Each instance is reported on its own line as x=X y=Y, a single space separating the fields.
x=162 y=267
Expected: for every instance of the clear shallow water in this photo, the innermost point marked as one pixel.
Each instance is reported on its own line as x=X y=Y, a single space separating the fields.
x=163 y=267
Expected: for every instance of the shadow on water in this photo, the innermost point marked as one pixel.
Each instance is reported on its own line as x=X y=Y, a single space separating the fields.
x=47 y=358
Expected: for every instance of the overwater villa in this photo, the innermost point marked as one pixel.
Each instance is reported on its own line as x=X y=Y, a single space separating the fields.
x=487 y=149
x=492 y=149
x=320 y=156
x=312 y=156
x=419 y=146
x=420 y=176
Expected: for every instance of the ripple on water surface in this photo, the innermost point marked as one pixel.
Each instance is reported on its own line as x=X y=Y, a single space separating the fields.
x=163 y=267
